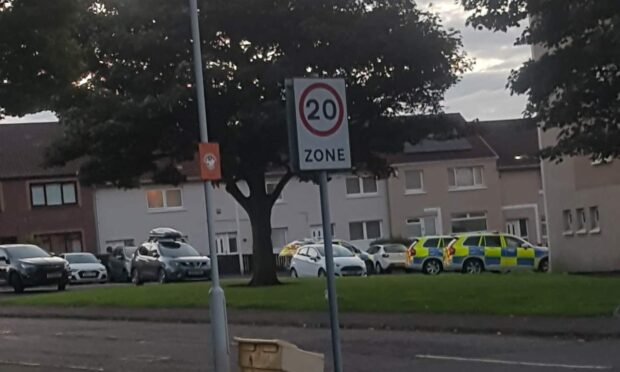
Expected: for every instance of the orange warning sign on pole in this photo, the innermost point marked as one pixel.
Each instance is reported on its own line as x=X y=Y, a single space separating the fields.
x=210 y=165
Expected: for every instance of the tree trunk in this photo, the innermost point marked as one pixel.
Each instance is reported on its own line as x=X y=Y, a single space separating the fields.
x=264 y=262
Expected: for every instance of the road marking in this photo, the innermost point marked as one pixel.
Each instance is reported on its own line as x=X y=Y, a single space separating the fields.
x=511 y=362
x=63 y=367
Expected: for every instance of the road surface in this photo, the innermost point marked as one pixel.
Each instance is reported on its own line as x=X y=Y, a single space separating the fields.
x=52 y=345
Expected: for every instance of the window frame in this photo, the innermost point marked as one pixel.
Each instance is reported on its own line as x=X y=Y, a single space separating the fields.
x=595 y=217
x=62 y=185
x=164 y=195
x=365 y=229
x=452 y=176
x=468 y=217
x=420 y=190
x=582 y=221
x=362 y=193
x=567 y=224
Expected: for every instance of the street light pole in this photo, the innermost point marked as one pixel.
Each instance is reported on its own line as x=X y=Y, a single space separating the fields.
x=217 y=300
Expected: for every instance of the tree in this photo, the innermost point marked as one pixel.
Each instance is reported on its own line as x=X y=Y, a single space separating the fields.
x=135 y=114
x=574 y=87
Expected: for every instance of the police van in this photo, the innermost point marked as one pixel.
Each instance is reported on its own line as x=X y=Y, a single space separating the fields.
x=426 y=254
x=474 y=253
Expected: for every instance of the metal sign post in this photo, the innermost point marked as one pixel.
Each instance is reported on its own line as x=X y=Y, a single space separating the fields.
x=217 y=301
x=319 y=141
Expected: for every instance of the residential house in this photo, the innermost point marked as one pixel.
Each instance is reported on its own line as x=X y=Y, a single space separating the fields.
x=38 y=204
x=580 y=209
x=487 y=180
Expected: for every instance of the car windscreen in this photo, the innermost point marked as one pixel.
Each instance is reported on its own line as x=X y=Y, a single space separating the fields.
x=338 y=251
x=26 y=251
x=395 y=248
x=177 y=249
x=81 y=258
x=350 y=247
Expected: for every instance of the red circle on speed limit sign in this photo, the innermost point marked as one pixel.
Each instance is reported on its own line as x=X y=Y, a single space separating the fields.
x=330 y=109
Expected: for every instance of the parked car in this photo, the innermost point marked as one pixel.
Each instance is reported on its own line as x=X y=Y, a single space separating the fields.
x=426 y=254
x=23 y=266
x=85 y=268
x=119 y=263
x=370 y=267
x=309 y=261
x=474 y=253
x=387 y=257
x=166 y=257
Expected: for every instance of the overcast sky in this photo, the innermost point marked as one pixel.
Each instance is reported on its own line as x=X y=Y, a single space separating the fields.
x=481 y=94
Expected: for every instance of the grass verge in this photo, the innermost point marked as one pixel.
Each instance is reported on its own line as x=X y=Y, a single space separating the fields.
x=513 y=294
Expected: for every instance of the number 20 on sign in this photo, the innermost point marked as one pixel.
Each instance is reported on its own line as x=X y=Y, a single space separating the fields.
x=321 y=130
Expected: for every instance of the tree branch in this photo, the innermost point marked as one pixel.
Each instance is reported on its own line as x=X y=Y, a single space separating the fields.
x=280 y=186
x=236 y=193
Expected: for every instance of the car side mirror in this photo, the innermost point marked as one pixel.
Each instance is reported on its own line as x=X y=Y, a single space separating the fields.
x=314 y=258
x=155 y=254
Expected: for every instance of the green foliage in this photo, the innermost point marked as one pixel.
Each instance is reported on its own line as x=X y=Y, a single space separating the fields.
x=513 y=294
x=574 y=87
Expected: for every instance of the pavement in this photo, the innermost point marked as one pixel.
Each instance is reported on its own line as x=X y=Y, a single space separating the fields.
x=580 y=328
x=63 y=345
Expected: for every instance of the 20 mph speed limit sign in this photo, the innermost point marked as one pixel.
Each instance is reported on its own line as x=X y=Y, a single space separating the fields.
x=320 y=130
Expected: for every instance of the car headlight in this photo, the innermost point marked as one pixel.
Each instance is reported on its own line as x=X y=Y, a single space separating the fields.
x=68 y=268
x=27 y=266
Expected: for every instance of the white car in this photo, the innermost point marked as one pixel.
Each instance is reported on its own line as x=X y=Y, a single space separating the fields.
x=309 y=261
x=85 y=268
x=388 y=256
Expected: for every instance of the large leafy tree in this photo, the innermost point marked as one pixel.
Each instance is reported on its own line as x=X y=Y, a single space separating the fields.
x=574 y=87
x=134 y=113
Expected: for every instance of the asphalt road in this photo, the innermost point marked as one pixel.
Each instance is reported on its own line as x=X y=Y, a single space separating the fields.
x=51 y=345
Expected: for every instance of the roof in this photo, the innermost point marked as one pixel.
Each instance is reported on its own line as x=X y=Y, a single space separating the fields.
x=469 y=147
x=515 y=142
x=22 y=151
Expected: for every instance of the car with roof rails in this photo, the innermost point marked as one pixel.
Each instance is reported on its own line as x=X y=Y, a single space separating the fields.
x=167 y=257
x=426 y=254
x=473 y=253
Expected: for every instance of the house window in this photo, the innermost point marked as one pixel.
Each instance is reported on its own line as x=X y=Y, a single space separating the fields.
x=53 y=194
x=594 y=220
x=61 y=242
x=226 y=243
x=316 y=231
x=421 y=226
x=271 y=186
x=567 y=216
x=278 y=238
x=466 y=177
x=361 y=186
x=164 y=199
x=469 y=221
x=414 y=181
x=581 y=221
x=414 y=227
x=365 y=230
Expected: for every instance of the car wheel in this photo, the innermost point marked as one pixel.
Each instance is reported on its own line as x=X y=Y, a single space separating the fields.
x=135 y=277
x=125 y=277
x=378 y=269
x=62 y=285
x=473 y=266
x=543 y=266
x=370 y=269
x=16 y=283
x=432 y=267
x=162 y=277
x=322 y=273
x=294 y=273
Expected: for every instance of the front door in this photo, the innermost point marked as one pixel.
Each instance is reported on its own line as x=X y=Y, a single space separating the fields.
x=517 y=227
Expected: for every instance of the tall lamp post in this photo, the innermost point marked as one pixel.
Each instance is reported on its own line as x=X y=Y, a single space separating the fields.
x=217 y=300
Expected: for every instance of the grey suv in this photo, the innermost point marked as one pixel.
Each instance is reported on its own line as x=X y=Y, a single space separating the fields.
x=167 y=257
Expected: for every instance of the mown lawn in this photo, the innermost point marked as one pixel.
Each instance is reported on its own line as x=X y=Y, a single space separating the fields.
x=511 y=294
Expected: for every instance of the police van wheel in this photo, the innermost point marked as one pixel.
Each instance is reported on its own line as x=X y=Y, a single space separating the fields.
x=473 y=267
x=432 y=267
x=543 y=266
x=378 y=269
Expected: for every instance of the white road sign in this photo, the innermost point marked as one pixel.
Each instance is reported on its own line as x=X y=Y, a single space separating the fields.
x=322 y=126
